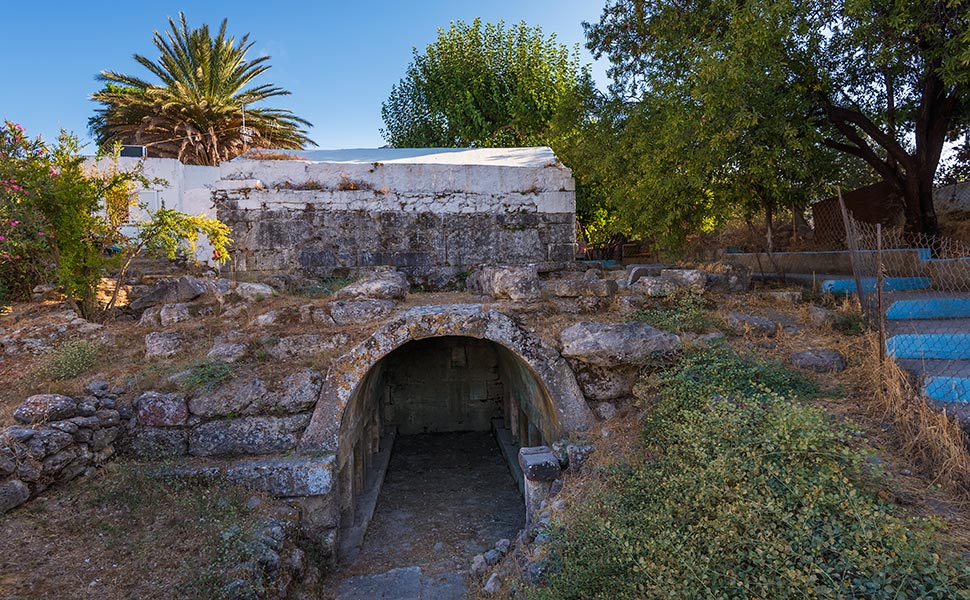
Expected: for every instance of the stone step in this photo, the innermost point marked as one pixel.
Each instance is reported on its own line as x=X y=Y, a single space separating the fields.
x=947 y=346
x=848 y=286
x=929 y=308
x=947 y=389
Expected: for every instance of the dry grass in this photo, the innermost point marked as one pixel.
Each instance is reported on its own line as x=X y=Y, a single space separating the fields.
x=927 y=435
x=264 y=154
x=119 y=534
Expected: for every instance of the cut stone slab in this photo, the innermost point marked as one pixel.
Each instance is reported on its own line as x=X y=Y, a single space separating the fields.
x=248 y=435
x=513 y=283
x=170 y=314
x=653 y=287
x=637 y=272
x=161 y=410
x=251 y=292
x=539 y=463
x=692 y=279
x=819 y=360
x=241 y=396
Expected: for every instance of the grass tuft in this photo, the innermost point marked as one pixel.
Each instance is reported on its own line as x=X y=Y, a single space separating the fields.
x=70 y=359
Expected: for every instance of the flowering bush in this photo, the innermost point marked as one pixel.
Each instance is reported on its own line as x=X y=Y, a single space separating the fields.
x=24 y=233
x=58 y=219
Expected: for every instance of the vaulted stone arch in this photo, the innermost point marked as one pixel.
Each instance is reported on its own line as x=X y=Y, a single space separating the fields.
x=560 y=401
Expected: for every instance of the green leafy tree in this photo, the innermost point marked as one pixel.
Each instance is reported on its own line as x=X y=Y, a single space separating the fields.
x=483 y=85
x=881 y=81
x=489 y=85
x=196 y=109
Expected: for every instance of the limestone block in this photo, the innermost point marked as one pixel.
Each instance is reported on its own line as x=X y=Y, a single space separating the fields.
x=163 y=344
x=539 y=463
x=691 y=279
x=285 y=477
x=358 y=312
x=613 y=344
x=241 y=396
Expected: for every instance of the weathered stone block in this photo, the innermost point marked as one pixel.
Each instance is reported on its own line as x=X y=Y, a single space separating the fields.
x=161 y=410
x=249 y=435
x=241 y=396
x=13 y=493
x=43 y=408
x=539 y=463
x=612 y=344
x=163 y=344
x=299 y=392
x=361 y=311
x=285 y=477
x=151 y=443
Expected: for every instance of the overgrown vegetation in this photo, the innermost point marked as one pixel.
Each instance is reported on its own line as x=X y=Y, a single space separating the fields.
x=62 y=221
x=70 y=359
x=740 y=492
x=682 y=311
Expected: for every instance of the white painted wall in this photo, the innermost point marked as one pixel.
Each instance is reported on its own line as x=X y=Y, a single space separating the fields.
x=186 y=188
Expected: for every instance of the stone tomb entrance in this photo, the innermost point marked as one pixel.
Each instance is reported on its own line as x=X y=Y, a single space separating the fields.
x=443 y=420
x=443 y=370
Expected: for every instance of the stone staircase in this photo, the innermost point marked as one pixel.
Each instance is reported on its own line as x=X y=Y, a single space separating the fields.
x=927 y=333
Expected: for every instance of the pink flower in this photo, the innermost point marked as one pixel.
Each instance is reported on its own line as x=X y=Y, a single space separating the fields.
x=2 y=238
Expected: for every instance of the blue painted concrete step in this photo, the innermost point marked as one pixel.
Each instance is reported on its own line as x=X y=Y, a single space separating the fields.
x=929 y=308
x=889 y=284
x=948 y=389
x=950 y=346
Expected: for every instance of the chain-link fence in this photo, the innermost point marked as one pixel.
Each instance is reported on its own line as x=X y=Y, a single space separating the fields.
x=916 y=290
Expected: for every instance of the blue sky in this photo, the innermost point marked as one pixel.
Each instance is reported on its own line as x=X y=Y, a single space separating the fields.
x=339 y=59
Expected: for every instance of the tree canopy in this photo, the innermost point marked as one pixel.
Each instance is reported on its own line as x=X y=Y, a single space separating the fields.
x=756 y=88
x=195 y=112
x=482 y=85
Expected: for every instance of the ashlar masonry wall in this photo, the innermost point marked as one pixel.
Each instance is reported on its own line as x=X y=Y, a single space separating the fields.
x=433 y=215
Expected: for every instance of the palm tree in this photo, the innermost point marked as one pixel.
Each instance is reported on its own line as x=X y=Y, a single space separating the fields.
x=196 y=114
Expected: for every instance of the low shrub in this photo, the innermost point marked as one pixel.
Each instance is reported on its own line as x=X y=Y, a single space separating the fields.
x=741 y=493
x=681 y=311
x=850 y=323
x=70 y=359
